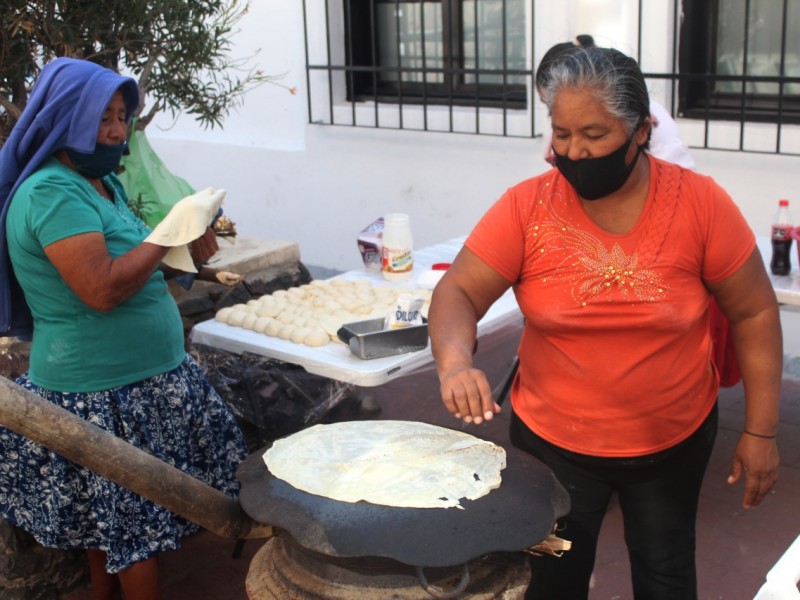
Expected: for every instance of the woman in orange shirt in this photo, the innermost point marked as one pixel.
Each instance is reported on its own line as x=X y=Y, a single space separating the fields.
x=613 y=256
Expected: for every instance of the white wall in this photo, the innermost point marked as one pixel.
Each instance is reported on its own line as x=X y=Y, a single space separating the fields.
x=319 y=185
x=323 y=196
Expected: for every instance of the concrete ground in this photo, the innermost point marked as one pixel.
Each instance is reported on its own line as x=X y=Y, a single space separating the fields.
x=735 y=549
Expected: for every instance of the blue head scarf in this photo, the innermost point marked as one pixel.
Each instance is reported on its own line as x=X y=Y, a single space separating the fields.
x=64 y=110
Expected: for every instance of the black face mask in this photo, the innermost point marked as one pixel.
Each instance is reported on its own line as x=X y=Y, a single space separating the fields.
x=595 y=178
x=97 y=164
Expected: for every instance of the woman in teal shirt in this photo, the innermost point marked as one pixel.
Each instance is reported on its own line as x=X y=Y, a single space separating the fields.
x=107 y=336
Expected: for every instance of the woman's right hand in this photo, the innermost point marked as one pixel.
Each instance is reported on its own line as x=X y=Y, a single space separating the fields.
x=466 y=395
x=460 y=299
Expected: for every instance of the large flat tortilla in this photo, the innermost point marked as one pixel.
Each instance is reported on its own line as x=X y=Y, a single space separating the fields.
x=393 y=463
x=186 y=221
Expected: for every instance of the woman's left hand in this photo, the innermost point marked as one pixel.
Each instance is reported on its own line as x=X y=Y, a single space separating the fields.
x=758 y=459
x=204 y=247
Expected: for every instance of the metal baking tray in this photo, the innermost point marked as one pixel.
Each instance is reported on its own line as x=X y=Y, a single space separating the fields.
x=368 y=339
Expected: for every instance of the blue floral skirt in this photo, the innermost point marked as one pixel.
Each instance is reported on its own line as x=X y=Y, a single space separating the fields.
x=176 y=416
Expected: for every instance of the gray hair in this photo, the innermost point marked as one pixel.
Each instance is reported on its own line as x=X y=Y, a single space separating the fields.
x=614 y=79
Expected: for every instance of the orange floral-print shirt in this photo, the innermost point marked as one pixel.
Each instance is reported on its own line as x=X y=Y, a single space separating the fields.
x=615 y=356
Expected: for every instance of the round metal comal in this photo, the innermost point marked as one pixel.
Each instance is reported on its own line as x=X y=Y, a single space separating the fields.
x=517 y=515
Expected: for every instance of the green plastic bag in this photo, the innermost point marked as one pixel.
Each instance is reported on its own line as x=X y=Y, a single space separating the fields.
x=152 y=189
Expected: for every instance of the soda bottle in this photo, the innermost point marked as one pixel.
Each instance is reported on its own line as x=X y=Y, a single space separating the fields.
x=782 y=227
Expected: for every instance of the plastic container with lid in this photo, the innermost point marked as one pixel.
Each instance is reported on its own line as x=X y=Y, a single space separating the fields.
x=398 y=247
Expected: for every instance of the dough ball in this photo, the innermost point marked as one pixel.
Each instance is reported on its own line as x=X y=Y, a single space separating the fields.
x=383 y=293
x=268 y=309
x=332 y=306
x=317 y=337
x=285 y=317
x=222 y=314
x=299 y=334
x=350 y=306
x=331 y=325
x=288 y=308
x=236 y=317
x=273 y=327
x=345 y=316
x=334 y=292
x=249 y=320
x=261 y=324
x=285 y=332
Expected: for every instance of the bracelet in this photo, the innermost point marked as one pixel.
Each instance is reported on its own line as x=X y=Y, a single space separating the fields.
x=758 y=435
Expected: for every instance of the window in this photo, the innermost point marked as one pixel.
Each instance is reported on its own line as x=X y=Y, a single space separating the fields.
x=729 y=68
x=740 y=60
x=454 y=52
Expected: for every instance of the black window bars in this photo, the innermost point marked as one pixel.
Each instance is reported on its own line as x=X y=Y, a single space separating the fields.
x=467 y=66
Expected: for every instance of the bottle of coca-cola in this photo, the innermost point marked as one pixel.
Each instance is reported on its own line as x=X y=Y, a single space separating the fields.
x=782 y=226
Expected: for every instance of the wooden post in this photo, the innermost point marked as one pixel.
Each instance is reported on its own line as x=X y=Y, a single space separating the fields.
x=86 y=444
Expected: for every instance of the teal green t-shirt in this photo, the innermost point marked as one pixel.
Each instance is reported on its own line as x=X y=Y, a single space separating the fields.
x=76 y=348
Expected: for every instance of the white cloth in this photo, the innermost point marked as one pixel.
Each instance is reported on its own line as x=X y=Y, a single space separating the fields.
x=666 y=142
x=186 y=221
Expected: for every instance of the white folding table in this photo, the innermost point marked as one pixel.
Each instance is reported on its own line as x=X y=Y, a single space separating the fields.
x=335 y=361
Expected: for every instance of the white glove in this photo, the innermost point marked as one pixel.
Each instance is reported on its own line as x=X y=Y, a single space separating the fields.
x=186 y=221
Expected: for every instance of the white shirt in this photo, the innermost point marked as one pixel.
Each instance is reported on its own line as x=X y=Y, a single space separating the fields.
x=665 y=142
